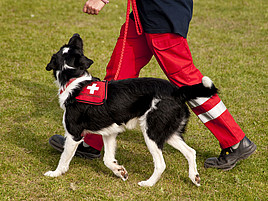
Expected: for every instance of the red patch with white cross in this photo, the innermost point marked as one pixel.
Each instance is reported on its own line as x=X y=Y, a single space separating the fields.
x=95 y=93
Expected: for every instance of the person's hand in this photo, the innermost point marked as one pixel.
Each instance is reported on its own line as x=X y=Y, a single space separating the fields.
x=93 y=7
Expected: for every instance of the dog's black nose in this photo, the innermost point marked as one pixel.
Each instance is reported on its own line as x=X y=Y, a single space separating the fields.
x=76 y=34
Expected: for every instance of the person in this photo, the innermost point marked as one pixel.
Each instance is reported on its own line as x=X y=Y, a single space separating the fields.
x=164 y=30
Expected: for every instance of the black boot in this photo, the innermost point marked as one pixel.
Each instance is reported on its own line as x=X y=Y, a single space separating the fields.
x=57 y=142
x=229 y=156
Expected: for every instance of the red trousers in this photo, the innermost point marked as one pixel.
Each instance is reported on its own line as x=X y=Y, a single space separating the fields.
x=174 y=57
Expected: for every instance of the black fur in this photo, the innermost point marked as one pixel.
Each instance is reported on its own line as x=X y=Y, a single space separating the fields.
x=159 y=106
x=127 y=99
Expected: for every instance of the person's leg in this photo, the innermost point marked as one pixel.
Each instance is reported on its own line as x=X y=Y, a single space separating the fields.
x=136 y=55
x=174 y=57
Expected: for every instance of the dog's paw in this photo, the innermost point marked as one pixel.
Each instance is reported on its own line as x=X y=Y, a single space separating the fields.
x=196 y=179
x=146 y=183
x=122 y=173
x=55 y=173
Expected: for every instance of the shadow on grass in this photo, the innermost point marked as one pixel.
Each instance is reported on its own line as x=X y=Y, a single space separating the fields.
x=43 y=99
x=40 y=102
x=136 y=136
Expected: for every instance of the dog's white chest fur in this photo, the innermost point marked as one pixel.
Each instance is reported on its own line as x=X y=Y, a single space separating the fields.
x=64 y=91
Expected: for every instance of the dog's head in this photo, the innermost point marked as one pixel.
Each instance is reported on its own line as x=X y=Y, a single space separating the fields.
x=69 y=62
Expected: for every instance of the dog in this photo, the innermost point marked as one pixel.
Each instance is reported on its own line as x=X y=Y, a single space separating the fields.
x=158 y=106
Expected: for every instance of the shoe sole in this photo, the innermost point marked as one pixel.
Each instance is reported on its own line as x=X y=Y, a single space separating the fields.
x=59 y=148
x=251 y=150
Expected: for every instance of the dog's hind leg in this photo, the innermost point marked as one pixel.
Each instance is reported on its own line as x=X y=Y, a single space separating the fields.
x=70 y=147
x=190 y=154
x=159 y=162
x=109 y=157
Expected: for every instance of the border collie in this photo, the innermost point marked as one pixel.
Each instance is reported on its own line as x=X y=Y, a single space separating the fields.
x=158 y=106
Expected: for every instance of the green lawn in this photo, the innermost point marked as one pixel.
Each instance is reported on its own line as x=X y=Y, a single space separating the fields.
x=228 y=40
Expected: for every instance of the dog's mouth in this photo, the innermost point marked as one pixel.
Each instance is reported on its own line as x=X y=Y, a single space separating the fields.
x=76 y=41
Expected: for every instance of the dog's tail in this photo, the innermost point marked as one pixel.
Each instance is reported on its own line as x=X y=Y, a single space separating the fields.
x=204 y=89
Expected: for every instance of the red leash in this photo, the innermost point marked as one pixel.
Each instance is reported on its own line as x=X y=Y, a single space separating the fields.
x=138 y=28
x=136 y=17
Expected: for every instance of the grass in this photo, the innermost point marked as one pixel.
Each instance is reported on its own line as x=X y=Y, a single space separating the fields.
x=228 y=40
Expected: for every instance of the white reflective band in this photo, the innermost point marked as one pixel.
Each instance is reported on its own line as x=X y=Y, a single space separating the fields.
x=196 y=102
x=214 y=113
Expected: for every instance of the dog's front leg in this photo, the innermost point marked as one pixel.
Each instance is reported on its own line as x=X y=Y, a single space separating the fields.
x=109 y=157
x=70 y=147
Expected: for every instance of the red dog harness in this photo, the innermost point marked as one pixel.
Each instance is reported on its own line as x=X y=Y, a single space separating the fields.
x=95 y=93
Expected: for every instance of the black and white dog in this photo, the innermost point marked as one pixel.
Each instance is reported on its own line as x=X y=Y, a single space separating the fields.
x=155 y=104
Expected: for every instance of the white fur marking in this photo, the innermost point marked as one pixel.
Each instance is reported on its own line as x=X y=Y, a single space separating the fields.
x=189 y=153
x=109 y=157
x=57 y=79
x=66 y=91
x=132 y=123
x=159 y=163
x=70 y=147
x=115 y=128
x=207 y=82
x=65 y=50
x=110 y=130
x=142 y=119
x=65 y=66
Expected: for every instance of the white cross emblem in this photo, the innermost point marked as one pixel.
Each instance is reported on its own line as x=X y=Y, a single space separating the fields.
x=93 y=88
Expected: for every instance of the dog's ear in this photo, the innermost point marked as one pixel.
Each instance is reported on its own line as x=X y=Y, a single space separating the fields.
x=52 y=65
x=76 y=41
x=85 y=62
